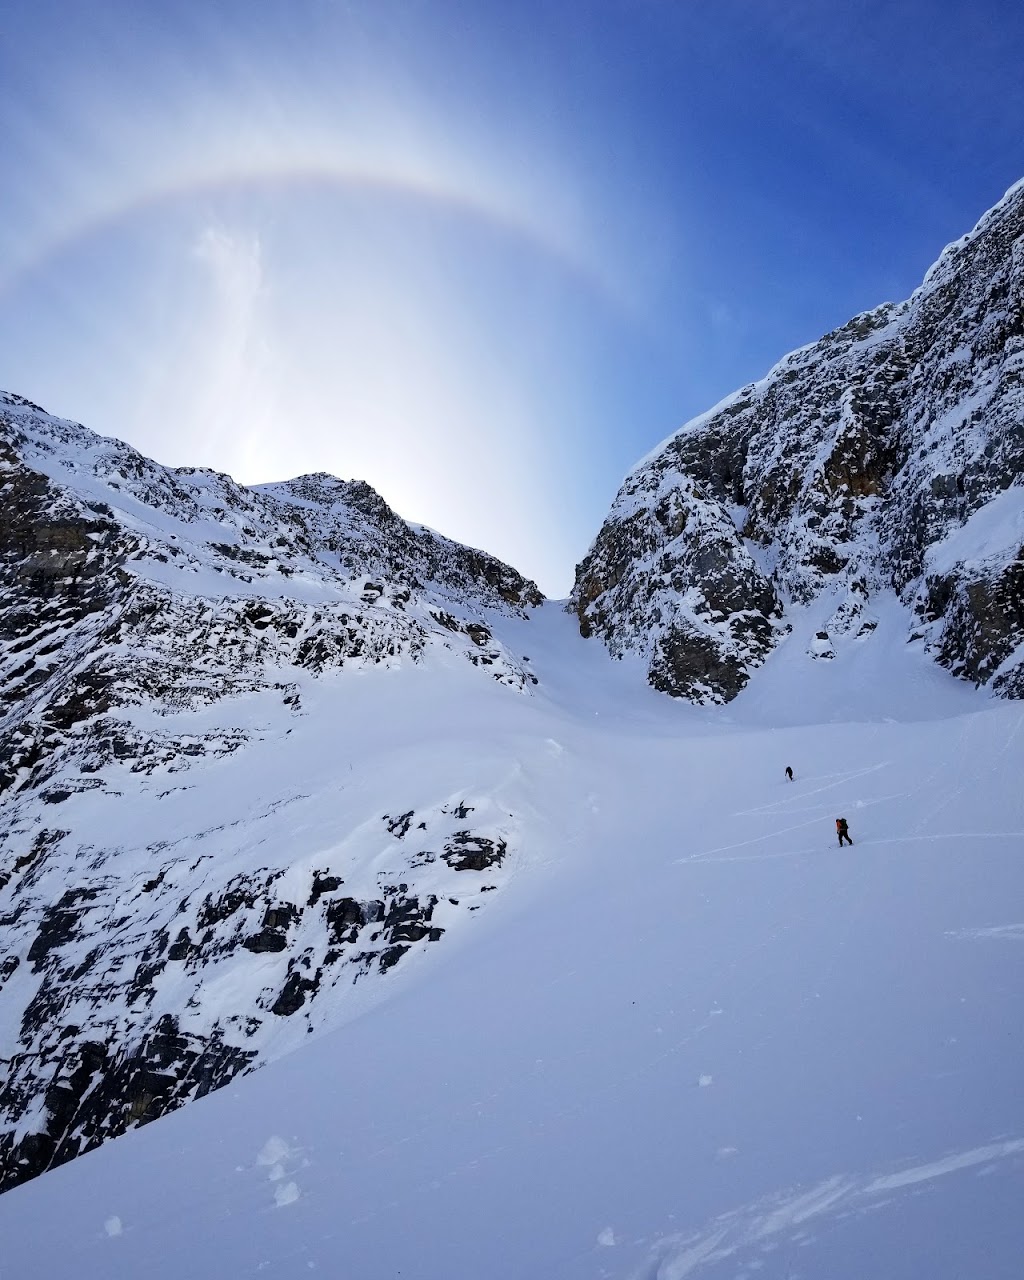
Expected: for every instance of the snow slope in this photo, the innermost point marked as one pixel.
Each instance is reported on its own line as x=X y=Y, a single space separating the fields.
x=689 y=1037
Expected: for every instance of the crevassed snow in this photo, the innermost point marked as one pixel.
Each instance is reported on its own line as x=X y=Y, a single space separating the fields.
x=528 y=1101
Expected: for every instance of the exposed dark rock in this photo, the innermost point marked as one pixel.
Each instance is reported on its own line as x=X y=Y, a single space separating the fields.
x=390 y=957
x=345 y=917
x=673 y=577
x=467 y=852
x=399 y=826
x=181 y=948
x=91 y=1080
x=406 y=920
x=59 y=923
x=98 y=1092
x=323 y=884
x=982 y=621
x=266 y=940
x=294 y=992
x=689 y=664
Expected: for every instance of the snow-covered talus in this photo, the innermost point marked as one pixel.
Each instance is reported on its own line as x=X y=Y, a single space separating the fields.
x=859 y=464
x=155 y=623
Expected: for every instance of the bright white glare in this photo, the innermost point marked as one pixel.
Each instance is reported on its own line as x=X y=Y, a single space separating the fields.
x=395 y=329
x=344 y=341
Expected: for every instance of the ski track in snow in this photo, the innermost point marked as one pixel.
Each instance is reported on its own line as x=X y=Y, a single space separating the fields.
x=838 y=780
x=759 y=1226
x=1000 y=932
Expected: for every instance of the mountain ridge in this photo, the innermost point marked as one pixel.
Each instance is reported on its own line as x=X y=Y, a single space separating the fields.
x=840 y=468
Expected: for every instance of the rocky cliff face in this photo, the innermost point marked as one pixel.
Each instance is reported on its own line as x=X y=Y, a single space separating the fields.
x=153 y=621
x=868 y=462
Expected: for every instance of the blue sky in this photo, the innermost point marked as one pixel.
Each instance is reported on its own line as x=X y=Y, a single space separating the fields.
x=482 y=255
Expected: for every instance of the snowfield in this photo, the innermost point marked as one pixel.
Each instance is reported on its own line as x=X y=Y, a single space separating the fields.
x=685 y=1034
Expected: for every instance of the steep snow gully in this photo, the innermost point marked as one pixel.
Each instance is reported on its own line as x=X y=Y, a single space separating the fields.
x=689 y=1037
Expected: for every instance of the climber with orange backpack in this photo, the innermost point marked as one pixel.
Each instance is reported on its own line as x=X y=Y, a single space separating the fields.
x=843 y=831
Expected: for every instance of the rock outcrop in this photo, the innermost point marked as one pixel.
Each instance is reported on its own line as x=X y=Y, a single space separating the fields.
x=859 y=464
x=136 y=995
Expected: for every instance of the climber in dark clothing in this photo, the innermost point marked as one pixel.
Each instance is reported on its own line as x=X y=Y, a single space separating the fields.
x=789 y=772
x=843 y=831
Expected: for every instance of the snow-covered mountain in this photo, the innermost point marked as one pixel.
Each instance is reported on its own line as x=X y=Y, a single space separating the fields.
x=153 y=621
x=887 y=457
x=580 y=984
